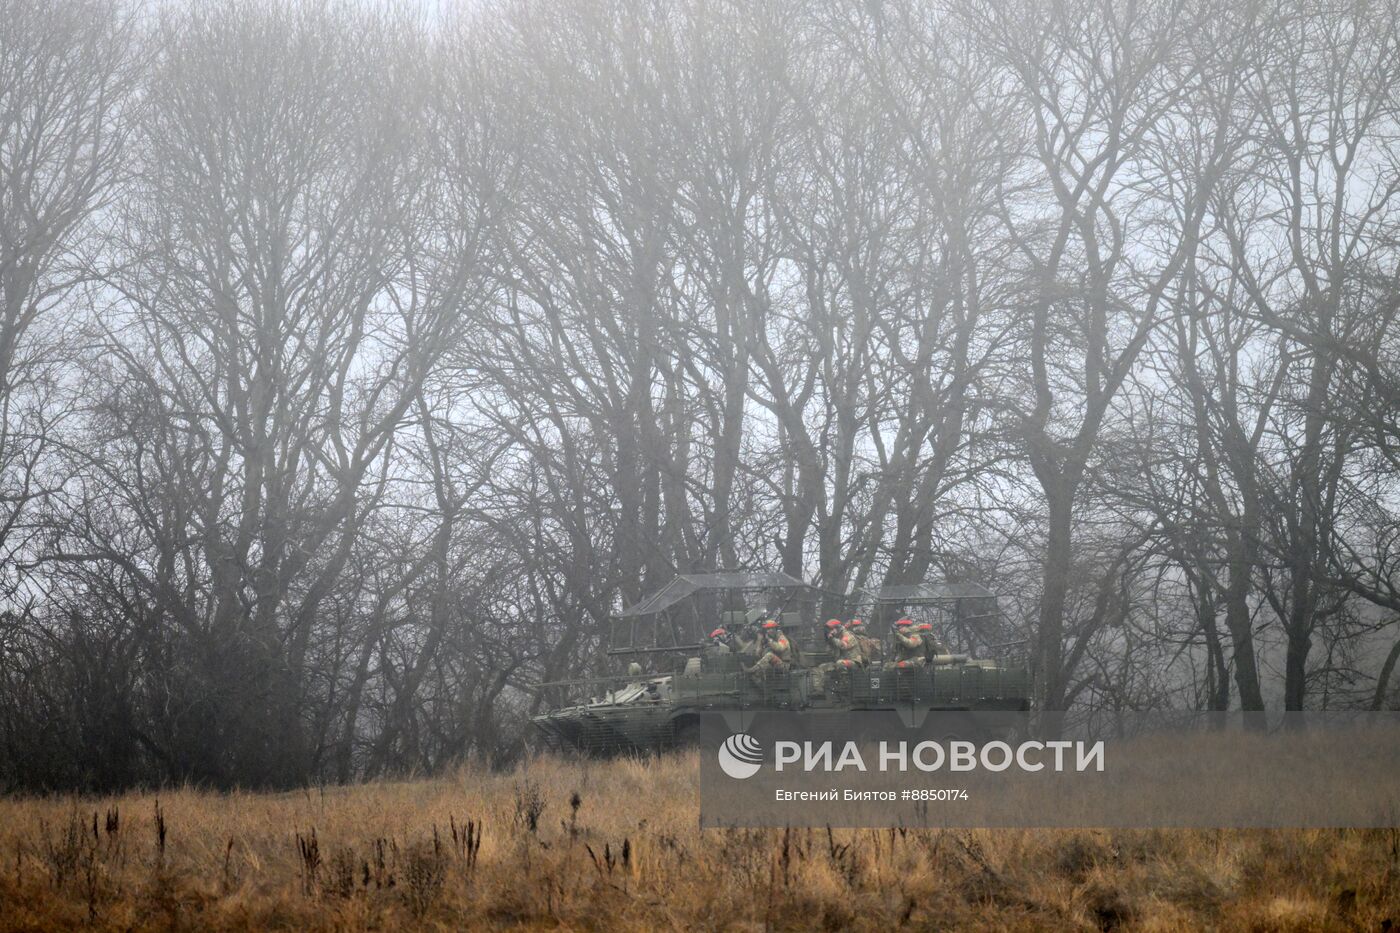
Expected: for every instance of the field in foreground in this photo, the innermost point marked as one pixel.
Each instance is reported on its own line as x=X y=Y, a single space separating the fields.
x=615 y=845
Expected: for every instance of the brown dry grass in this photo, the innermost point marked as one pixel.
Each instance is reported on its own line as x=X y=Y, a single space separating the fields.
x=462 y=852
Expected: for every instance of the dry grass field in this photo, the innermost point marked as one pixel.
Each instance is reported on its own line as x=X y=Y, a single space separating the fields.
x=615 y=845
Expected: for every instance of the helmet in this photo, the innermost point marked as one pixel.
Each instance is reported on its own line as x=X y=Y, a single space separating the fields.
x=833 y=623
x=718 y=633
x=855 y=623
x=904 y=623
x=924 y=627
x=770 y=624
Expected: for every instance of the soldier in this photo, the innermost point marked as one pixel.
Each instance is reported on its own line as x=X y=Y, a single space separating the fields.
x=846 y=651
x=932 y=646
x=870 y=648
x=720 y=641
x=747 y=643
x=908 y=646
x=777 y=650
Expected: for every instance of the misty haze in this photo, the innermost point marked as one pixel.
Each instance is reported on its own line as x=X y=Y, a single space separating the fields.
x=357 y=366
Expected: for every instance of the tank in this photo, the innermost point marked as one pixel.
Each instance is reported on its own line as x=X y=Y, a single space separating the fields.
x=640 y=711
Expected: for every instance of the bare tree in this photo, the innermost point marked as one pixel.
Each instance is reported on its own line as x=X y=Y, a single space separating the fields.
x=268 y=347
x=1099 y=84
x=66 y=76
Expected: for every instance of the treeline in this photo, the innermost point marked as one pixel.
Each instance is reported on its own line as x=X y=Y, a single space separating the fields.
x=356 y=365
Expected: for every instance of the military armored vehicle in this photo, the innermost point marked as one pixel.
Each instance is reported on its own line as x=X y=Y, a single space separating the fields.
x=643 y=711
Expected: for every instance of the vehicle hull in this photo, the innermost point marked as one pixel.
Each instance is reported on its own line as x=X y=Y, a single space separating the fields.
x=663 y=716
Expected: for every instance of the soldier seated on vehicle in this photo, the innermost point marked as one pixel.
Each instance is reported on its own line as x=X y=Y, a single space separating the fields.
x=932 y=646
x=777 y=650
x=720 y=641
x=846 y=651
x=908 y=646
x=870 y=648
x=747 y=642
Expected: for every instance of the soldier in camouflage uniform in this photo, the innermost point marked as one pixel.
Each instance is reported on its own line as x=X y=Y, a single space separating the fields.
x=908 y=646
x=777 y=650
x=870 y=648
x=846 y=651
x=933 y=647
x=746 y=643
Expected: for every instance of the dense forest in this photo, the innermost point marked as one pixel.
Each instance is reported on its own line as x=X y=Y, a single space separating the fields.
x=357 y=364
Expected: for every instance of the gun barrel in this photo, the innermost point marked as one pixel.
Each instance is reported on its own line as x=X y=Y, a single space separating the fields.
x=625 y=652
